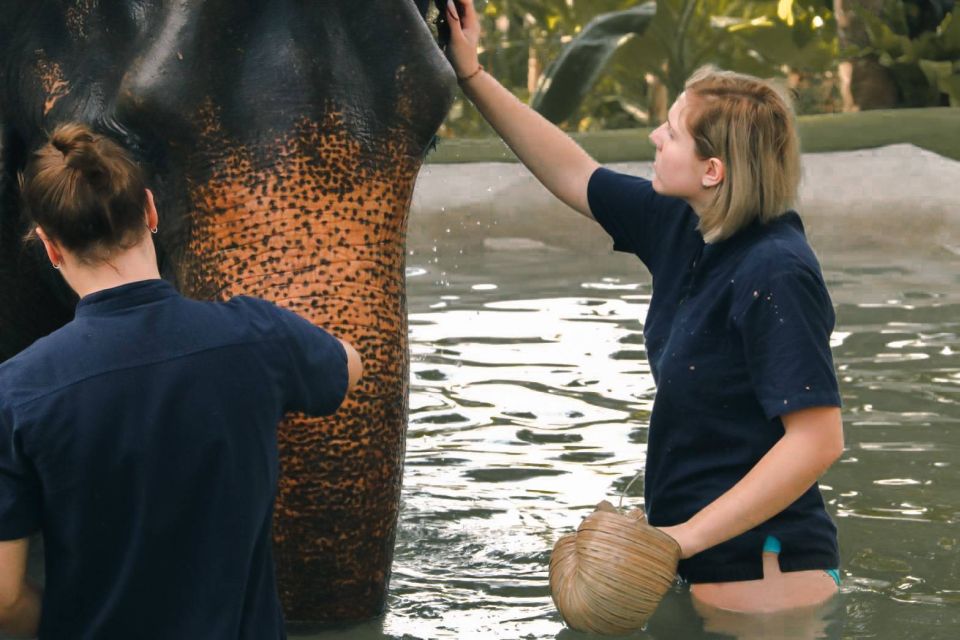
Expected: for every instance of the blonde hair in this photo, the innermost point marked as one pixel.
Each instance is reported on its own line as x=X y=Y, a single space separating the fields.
x=749 y=125
x=86 y=193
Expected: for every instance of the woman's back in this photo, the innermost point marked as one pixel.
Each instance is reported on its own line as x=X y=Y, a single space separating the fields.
x=142 y=437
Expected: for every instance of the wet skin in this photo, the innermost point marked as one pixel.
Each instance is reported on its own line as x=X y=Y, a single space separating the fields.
x=282 y=140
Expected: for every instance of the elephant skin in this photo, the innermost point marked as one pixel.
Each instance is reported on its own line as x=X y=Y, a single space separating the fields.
x=282 y=140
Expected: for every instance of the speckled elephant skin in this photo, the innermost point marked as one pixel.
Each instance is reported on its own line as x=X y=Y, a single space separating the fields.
x=283 y=140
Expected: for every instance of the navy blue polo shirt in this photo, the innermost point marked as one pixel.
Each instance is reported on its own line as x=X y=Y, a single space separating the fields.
x=737 y=334
x=141 y=440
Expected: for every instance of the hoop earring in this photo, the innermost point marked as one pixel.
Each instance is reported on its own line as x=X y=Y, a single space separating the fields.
x=57 y=265
x=154 y=230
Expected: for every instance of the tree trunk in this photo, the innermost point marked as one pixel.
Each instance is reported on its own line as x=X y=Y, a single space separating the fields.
x=864 y=82
x=534 y=70
x=658 y=100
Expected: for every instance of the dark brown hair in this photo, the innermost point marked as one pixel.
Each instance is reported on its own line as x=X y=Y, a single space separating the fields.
x=86 y=193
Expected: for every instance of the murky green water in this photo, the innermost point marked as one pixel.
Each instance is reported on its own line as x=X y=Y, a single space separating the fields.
x=529 y=403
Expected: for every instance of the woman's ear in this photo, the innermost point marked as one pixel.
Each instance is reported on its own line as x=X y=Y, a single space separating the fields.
x=713 y=174
x=53 y=251
x=150 y=212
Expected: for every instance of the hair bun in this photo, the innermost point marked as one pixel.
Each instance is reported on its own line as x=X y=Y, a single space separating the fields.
x=81 y=151
x=68 y=138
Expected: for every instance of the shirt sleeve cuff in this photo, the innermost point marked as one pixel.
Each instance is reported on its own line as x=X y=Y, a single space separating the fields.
x=776 y=407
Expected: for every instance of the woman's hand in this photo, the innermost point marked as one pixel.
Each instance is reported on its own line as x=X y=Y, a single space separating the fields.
x=464 y=37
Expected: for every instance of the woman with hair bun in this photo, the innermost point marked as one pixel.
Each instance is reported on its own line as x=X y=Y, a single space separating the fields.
x=746 y=416
x=140 y=438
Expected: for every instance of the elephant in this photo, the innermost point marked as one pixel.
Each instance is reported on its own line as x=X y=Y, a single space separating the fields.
x=282 y=140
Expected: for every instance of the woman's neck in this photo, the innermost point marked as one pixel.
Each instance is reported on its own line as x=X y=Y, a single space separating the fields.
x=132 y=265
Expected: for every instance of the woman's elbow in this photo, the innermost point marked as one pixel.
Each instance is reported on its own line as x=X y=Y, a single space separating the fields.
x=833 y=451
x=833 y=444
x=821 y=429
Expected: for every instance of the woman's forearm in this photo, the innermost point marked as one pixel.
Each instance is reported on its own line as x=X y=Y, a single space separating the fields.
x=812 y=442
x=551 y=155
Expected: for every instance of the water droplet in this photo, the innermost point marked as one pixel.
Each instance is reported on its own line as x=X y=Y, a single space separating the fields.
x=756 y=294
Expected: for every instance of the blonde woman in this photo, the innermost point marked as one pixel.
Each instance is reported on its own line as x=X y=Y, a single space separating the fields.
x=746 y=416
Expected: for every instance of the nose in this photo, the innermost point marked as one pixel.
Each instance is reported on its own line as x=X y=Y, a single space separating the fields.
x=655 y=137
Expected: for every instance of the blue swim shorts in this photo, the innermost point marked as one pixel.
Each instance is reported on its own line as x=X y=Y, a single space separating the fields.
x=772 y=545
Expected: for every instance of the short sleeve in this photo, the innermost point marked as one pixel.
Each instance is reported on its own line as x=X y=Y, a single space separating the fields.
x=638 y=219
x=317 y=380
x=21 y=499
x=785 y=328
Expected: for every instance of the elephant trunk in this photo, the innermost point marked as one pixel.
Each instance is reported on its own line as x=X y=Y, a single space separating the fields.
x=315 y=221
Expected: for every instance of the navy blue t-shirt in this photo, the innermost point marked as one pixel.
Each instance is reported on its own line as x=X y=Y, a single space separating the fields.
x=141 y=439
x=737 y=334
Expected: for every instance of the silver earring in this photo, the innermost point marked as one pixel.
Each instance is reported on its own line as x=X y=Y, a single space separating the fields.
x=57 y=265
x=154 y=230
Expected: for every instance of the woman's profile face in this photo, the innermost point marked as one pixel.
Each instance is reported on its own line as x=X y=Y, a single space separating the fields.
x=678 y=171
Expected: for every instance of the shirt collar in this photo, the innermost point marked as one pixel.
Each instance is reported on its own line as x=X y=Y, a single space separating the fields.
x=749 y=233
x=125 y=296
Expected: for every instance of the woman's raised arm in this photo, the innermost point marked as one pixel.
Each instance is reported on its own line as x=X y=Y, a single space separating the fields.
x=551 y=155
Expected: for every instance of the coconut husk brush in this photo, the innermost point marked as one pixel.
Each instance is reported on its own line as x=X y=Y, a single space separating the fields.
x=611 y=574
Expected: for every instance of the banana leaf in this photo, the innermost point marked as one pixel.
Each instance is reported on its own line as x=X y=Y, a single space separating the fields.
x=568 y=79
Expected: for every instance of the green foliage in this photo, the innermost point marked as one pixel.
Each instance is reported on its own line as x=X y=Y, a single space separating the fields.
x=574 y=72
x=518 y=32
x=924 y=66
x=761 y=38
x=520 y=37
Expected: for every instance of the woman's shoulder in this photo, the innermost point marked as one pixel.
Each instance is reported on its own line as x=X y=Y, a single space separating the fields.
x=36 y=369
x=778 y=249
x=249 y=311
x=265 y=318
x=612 y=187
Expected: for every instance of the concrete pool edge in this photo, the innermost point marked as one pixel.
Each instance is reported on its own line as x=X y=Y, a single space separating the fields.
x=899 y=196
x=926 y=128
